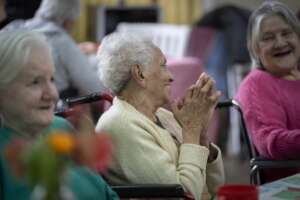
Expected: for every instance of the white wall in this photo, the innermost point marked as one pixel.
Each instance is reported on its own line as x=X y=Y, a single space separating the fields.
x=250 y=4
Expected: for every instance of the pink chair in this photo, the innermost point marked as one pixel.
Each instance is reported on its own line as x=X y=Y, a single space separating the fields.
x=200 y=42
x=186 y=71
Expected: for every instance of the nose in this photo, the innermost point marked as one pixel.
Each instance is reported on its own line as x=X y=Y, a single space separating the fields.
x=50 y=92
x=170 y=75
x=280 y=41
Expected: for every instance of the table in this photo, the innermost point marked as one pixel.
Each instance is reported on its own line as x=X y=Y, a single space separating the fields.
x=286 y=188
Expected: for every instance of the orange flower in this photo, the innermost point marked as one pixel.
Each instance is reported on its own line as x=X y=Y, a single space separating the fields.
x=94 y=151
x=61 y=143
x=13 y=156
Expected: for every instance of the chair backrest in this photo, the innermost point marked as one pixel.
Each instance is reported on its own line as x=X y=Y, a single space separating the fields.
x=200 y=42
x=66 y=110
x=171 y=39
x=245 y=133
x=186 y=72
x=84 y=111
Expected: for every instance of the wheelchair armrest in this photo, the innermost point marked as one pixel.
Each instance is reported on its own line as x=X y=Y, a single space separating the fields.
x=149 y=191
x=262 y=162
x=64 y=113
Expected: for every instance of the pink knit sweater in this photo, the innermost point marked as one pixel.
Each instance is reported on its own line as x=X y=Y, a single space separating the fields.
x=272 y=111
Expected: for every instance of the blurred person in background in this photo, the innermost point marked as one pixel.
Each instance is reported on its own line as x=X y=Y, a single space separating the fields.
x=152 y=144
x=56 y=19
x=270 y=95
x=27 y=99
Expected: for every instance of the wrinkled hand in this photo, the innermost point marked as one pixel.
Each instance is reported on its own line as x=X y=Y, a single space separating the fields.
x=195 y=110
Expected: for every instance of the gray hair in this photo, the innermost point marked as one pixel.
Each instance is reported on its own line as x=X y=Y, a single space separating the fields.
x=118 y=53
x=59 y=11
x=15 y=51
x=267 y=9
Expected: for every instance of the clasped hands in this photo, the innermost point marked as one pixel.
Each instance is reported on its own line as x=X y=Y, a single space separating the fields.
x=194 y=111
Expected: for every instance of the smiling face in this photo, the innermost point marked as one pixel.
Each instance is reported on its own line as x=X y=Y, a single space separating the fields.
x=158 y=79
x=278 y=46
x=27 y=103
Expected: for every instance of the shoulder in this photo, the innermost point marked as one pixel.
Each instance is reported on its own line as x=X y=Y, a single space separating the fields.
x=85 y=184
x=258 y=92
x=257 y=83
x=257 y=76
x=123 y=119
x=113 y=119
x=120 y=111
x=117 y=117
x=60 y=124
x=63 y=40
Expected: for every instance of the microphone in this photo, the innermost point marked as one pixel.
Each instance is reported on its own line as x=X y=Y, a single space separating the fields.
x=88 y=99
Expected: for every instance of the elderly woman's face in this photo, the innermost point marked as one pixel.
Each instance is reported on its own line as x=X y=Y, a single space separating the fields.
x=30 y=99
x=158 y=79
x=278 y=46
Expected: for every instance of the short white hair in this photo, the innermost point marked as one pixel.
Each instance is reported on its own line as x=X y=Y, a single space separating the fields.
x=267 y=9
x=15 y=51
x=118 y=52
x=59 y=11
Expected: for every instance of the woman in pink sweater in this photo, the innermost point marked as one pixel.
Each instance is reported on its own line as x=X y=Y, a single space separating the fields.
x=270 y=94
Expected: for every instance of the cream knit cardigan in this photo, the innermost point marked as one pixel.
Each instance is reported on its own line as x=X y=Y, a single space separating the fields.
x=147 y=153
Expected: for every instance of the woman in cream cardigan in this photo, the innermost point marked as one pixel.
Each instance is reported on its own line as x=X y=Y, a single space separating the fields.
x=152 y=144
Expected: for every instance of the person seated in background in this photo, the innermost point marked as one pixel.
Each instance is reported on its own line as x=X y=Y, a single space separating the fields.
x=269 y=95
x=152 y=144
x=27 y=100
x=56 y=19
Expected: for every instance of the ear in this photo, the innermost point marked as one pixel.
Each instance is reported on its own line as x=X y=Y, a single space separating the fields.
x=137 y=74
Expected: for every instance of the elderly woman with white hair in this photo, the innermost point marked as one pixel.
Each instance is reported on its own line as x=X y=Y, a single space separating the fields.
x=74 y=73
x=27 y=99
x=270 y=95
x=152 y=144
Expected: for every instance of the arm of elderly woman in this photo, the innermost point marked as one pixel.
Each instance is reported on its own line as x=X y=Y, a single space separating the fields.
x=214 y=169
x=194 y=114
